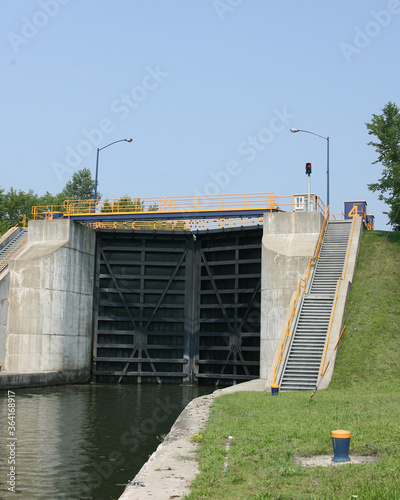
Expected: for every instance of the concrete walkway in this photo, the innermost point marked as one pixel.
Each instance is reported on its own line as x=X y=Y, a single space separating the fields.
x=172 y=467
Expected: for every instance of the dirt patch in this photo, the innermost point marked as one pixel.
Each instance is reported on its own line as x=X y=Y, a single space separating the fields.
x=326 y=460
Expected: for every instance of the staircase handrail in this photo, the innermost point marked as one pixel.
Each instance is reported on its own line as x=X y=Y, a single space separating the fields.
x=16 y=249
x=301 y=288
x=323 y=370
x=9 y=231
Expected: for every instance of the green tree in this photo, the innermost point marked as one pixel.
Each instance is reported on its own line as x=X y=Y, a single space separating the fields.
x=127 y=204
x=15 y=204
x=106 y=207
x=153 y=208
x=3 y=224
x=80 y=187
x=386 y=128
x=49 y=200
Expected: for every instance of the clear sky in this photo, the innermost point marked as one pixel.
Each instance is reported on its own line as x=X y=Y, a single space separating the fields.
x=207 y=89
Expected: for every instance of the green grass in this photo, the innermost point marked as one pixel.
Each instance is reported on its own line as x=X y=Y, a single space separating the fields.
x=364 y=397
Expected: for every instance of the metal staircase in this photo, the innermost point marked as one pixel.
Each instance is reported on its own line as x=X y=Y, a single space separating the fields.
x=308 y=341
x=332 y=257
x=13 y=247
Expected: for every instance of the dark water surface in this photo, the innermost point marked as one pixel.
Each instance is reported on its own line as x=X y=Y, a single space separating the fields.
x=85 y=441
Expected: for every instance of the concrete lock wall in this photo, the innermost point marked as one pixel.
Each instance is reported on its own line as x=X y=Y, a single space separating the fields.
x=289 y=240
x=51 y=301
x=4 y=289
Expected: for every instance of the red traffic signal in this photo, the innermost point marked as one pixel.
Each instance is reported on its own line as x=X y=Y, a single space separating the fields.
x=308 y=168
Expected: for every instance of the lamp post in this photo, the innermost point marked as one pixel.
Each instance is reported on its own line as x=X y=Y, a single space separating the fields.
x=294 y=130
x=97 y=166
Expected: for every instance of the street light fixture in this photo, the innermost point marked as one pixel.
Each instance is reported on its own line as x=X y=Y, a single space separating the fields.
x=294 y=130
x=97 y=166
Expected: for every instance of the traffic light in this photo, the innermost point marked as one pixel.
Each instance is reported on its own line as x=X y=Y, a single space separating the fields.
x=308 y=168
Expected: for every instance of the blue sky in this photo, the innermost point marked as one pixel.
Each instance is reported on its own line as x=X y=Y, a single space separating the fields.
x=208 y=90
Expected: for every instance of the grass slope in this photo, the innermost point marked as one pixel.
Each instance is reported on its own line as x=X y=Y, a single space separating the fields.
x=364 y=397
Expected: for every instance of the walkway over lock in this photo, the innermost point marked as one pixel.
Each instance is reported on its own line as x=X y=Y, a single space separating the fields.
x=176 y=210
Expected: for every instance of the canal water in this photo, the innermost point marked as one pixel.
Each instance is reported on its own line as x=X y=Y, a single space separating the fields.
x=84 y=441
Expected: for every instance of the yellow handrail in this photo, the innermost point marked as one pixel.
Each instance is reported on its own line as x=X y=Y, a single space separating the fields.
x=179 y=204
x=323 y=370
x=301 y=288
x=340 y=336
x=9 y=230
x=21 y=244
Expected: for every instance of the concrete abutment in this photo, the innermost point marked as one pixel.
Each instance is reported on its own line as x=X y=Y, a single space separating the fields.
x=50 y=304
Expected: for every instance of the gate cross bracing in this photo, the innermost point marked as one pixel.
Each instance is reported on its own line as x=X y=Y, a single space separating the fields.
x=174 y=307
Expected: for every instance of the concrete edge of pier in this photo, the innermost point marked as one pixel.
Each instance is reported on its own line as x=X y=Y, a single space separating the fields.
x=11 y=380
x=173 y=466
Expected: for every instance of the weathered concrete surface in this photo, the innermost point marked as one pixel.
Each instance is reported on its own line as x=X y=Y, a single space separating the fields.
x=9 y=380
x=289 y=240
x=326 y=460
x=51 y=300
x=4 y=291
x=172 y=467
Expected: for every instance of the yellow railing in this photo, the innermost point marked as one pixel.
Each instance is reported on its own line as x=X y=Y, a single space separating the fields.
x=368 y=219
x=178 y=204
x=14 y=251
x=340 y=336
x=301 y=289
x=24 y=220
x=323 y=370
x=46 y=211
x=9 y=231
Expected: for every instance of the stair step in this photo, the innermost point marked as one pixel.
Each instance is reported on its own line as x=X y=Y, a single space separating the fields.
x=295 y=371
x=296 y=388
x=299 y=365
x=305 y=358
x=298 y=381
x=308 y=342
